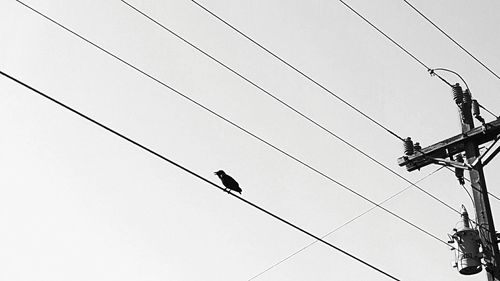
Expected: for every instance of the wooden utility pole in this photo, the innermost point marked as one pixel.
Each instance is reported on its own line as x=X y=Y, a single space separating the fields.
x=468 y=142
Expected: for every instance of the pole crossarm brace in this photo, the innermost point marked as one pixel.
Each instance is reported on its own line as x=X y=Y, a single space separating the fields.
x=437 y=153
x=451 y=163
x=486 y=156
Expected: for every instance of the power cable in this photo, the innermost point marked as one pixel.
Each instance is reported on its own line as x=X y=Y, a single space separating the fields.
x=394 y=42
x=308 y=77
x=329 y=91
x=495 y=115
x=293 y=109
x=341 y=226
x=449 y=37
x=468 y=193
x=250 y=133
x=451 y=71
x=195 y=174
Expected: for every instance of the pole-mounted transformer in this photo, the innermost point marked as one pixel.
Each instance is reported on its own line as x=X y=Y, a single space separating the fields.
x=466 y=246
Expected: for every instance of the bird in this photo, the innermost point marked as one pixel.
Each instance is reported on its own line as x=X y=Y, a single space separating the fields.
x=228 y=182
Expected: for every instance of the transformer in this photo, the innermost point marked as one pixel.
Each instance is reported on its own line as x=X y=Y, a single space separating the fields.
x=467 y=242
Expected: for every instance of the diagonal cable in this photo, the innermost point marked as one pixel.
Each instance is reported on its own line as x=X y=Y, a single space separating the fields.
x=196 y=175
x=308 y=77
x=340 y=227
x=394 y=42
x=449 y=37
x=248 y=132
x=295 y=110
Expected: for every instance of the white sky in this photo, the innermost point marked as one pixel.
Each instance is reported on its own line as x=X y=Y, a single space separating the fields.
x=78 y=203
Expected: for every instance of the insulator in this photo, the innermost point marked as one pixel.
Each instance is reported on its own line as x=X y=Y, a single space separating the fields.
x=408 y=146
x=458 y=94
x=459 y=173
x=476 y=112
x=417 y=146
x=465 y=217
x=467 y=97
x=475 y=108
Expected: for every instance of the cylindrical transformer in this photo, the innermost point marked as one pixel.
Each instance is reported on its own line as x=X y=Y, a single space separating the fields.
x=408 y=146
x=468 y=258
x=458 y=94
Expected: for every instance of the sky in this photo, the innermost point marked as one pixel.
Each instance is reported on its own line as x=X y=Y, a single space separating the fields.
x=78 y=203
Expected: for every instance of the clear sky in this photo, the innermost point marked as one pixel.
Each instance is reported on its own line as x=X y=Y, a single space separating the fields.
x=78 y=203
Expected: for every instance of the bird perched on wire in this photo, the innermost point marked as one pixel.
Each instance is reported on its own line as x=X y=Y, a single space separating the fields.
x=228 y=182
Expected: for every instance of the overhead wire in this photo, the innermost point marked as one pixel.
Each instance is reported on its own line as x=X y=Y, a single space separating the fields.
x=294 y=109
x=308 y=77
x=468 y=193
x=431 y=71
x=489 y=111
x=187 y=170
x=241 y=128
x=341 y=226
x=393 y=41
x=454 y=72
x=333 y=94
x=449 y=37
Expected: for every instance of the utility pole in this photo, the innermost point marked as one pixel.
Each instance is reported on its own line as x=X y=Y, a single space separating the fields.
x=449 y=153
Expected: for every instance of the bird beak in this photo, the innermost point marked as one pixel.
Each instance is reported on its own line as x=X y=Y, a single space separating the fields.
x=215 y=173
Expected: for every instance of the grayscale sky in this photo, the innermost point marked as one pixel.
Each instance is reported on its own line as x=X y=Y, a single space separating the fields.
x=78 y=203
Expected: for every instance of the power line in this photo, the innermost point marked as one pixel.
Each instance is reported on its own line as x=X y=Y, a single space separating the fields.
x=252 y=134
x=449 y=37
x=340 y=227
x=394 y=42
x=308 y=77
x=495 y=115
x=294 y=110
x=255 y=84
x=195 y=174
x=385 y=35
x=327 y=90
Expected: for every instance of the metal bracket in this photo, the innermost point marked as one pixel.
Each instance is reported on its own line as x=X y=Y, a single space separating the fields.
x=446 y=162
x=495 y=146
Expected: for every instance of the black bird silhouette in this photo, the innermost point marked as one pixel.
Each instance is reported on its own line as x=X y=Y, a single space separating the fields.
x=228 y=182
